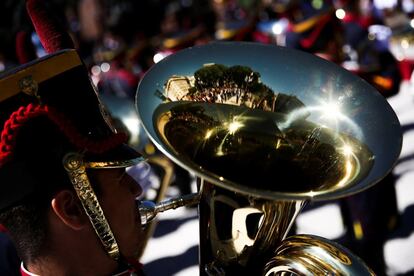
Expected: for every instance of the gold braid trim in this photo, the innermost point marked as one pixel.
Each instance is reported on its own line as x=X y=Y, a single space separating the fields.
x=76 y=169
x=113 y=164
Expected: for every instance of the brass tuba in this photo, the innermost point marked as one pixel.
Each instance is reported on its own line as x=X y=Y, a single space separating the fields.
x=266 y=129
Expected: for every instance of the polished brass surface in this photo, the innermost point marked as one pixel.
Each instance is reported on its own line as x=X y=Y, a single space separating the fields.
x=260 y=150
x=76 y=169
x=238 y=233
x=266 y=129
x=240 y=229
x=312 y=255
x=148 y=209
x=286 y=99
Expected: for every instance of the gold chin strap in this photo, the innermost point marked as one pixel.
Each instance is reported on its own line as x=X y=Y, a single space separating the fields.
x=76 y=169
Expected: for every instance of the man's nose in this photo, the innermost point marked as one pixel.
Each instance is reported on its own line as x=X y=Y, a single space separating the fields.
x=139 y=174
x=135 y=187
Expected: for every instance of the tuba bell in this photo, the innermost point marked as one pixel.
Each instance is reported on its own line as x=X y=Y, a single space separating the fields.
x=266 y=129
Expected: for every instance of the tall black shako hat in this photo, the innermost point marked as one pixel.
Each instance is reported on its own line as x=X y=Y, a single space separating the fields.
x=53 y=127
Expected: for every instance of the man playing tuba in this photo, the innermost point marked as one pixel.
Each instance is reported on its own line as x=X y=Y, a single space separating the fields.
x=66 y=200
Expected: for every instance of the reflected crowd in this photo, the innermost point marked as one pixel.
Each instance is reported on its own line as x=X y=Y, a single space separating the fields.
x=120 y=40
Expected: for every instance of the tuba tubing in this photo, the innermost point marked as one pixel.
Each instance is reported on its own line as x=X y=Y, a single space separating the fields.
x=295 y=255
x=266 y=129
x=148 y=209
x=313 y=255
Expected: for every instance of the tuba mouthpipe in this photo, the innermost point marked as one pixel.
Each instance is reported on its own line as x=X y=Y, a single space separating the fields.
x=148 y=209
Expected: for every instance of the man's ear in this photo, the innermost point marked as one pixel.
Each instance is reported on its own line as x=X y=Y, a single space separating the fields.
x=67 y=207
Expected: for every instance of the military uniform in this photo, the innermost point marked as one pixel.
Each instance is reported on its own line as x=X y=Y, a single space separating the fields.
x=54 y=130
x=131 y=271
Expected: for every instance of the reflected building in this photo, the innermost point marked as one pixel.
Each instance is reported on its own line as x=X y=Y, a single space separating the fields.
x=177 y=87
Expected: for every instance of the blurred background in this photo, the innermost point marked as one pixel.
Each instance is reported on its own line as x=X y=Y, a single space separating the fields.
x=119 y=40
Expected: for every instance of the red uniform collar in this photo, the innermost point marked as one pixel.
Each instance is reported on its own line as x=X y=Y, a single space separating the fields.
x=135 y=269
x=25 y=272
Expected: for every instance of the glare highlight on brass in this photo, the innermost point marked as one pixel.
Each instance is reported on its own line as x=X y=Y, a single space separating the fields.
x=268 y=142
x=276 y=140
x=264 y=134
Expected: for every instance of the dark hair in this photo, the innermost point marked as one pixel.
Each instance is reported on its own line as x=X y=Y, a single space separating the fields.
x=28 y=228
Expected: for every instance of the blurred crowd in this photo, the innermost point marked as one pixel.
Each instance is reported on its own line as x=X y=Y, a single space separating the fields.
x=119 y=40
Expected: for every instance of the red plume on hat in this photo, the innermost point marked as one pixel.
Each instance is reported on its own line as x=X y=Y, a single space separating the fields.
x=25 y=51
x=49 y=108
x=51 y=33
x=50 y=113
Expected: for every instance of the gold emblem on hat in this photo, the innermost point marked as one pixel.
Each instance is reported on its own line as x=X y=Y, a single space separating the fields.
x=28 y=86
